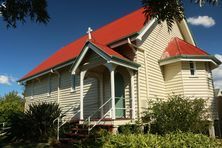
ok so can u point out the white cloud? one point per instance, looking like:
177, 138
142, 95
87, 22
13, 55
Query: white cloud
217, 74
6, 80
205, 21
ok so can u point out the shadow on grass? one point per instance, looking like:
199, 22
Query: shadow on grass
6, 144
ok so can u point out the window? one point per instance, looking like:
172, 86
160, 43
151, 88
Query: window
73, 83
192, 68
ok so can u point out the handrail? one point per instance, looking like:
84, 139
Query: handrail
72, 117
88, 120
64, 113
98, 110
61, 115
89, 129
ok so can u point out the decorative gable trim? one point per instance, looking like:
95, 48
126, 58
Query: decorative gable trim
105, 56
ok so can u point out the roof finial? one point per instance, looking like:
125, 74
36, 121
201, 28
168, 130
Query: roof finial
89, 33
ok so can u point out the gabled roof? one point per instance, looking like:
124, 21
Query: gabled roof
128, 25
180, 50
106, 53
177, 47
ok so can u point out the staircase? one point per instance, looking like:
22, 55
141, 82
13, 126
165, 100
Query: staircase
78, 133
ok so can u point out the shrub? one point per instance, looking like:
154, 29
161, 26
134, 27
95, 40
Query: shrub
169, 140
36, 124
130, 129
178, 113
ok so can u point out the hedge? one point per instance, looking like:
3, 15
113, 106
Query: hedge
172, 140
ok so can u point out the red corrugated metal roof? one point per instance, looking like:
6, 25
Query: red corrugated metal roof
178, 47
125, 26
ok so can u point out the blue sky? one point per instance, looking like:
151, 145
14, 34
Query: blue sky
26, 46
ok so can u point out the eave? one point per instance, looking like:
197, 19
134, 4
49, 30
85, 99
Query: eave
200, 58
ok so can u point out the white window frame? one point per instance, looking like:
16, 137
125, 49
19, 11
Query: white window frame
73, 83
194, 69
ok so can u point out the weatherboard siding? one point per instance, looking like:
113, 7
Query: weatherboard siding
69, 100
173, 79
151, 80
91, 97
200, 85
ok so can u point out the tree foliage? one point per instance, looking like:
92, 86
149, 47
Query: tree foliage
169, 10
178, 113
36, 124
10, 104
14, 11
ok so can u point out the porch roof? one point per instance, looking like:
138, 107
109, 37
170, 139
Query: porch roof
106, 53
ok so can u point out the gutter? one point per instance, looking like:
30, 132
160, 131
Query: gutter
193, 57
46, 72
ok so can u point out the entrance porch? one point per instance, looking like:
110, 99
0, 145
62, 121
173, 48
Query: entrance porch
107, 89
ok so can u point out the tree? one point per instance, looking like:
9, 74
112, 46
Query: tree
14, 11
10, 104
169, 10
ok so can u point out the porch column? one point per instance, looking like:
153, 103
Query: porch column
101, 94
82, 75
112, 81
132, 93
112, 68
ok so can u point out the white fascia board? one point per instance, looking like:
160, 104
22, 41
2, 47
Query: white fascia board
79, 59
189, 33
145, 29
187, 60
122, 64
200, 60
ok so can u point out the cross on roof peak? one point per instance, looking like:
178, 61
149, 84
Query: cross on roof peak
89, 33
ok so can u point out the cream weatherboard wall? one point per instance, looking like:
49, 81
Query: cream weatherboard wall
200, 85
173, 78
38, 91
150, 79
179, 81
